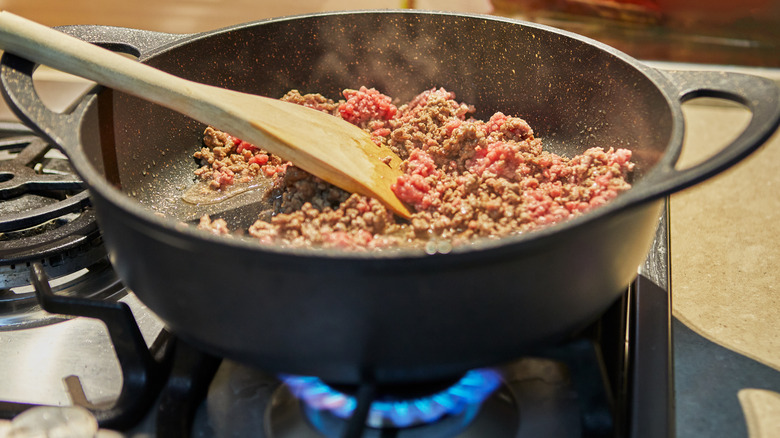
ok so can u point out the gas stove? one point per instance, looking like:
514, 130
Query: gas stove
76, 340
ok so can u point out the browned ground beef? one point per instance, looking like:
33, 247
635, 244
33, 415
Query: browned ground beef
228, 160
464, 178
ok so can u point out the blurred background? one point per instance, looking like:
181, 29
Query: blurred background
724, 32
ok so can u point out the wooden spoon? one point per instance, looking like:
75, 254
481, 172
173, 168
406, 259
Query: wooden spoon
325, 146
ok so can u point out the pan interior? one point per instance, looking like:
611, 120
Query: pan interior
575, 95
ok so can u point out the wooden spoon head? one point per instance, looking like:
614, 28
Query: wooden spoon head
325, 146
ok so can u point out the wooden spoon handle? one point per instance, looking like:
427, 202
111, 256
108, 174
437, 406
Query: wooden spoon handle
55, 49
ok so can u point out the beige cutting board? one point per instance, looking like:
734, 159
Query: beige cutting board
725, 241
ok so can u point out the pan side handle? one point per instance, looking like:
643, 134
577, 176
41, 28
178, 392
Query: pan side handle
136, 42
759, 95
21, 97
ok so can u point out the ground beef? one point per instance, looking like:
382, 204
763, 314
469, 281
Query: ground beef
227, 160
216, 226
367, 105
463, 178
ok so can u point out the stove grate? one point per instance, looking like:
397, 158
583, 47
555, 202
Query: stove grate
144, 370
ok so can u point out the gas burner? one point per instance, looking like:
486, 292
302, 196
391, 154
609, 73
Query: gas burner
496, 416
396, 409
528, 398
45, 218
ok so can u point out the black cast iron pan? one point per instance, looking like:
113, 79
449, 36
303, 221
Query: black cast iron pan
392, 316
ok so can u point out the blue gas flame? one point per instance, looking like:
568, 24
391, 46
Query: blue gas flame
469, 392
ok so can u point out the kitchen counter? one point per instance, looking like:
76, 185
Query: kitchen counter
724, 253
724, 239
724, 232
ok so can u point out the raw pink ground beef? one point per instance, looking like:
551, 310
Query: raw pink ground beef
366, 105
463, 178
